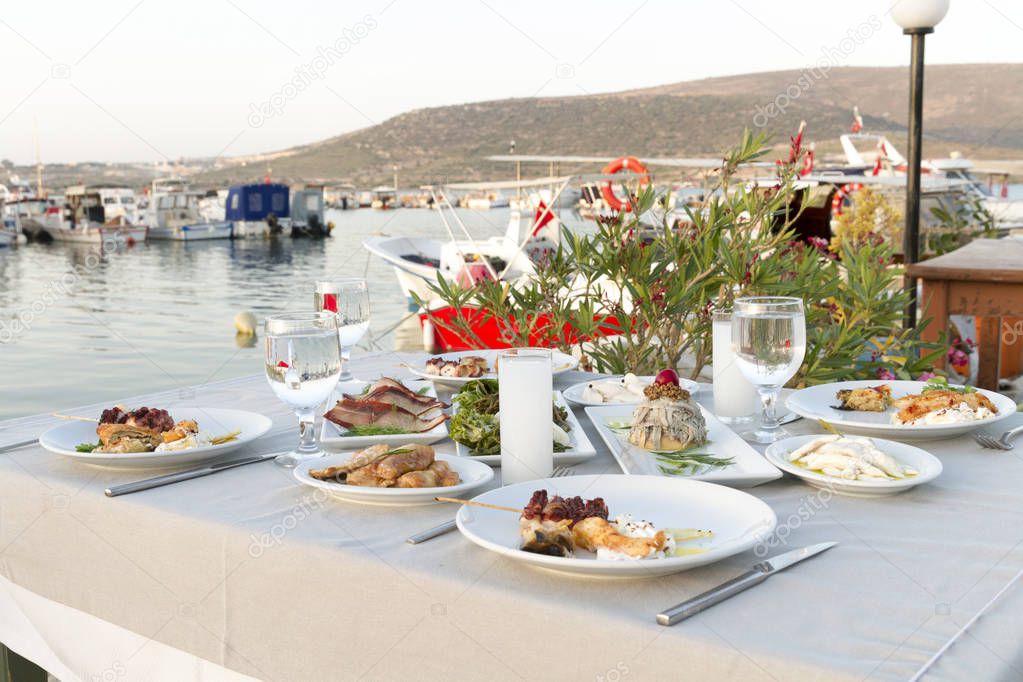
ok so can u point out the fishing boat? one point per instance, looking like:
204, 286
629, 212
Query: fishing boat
258, 210
384, 197
96, 214
174, 214
341, 197
481, 201
307, 214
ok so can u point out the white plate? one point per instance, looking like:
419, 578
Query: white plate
924, 462
582, 449
332, 435
574, 394
473, 475
817, 402
560, 363
749, 468
738, 520
214, 420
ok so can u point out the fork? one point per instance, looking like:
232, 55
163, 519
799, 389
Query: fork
449, 526
997, 443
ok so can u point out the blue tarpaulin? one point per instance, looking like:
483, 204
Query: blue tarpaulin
256, 202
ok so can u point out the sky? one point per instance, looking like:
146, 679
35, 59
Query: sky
156, 80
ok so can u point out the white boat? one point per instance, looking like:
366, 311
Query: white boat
419, 262
175, 214
875, 155
384, 197
97, 215
482, 201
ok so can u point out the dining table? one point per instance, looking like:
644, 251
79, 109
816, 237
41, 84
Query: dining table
247, 574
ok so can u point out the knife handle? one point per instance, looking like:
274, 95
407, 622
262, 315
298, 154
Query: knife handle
445, 527
713, 596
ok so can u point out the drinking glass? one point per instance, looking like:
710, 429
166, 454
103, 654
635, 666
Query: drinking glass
525, 394
735, 398
769, 339
348, 299
302, 365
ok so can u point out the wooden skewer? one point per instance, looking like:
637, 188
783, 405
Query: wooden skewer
73, 417
478, 504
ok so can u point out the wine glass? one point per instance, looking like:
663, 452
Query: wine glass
769, 339
302, 365
348, 299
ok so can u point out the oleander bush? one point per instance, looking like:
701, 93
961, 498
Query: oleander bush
637, 294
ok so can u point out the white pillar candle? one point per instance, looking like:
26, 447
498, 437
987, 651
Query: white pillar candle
526, 396
735, 398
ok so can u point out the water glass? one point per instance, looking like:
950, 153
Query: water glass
348, 299
769, 340
525, 393
302, 365
735, 398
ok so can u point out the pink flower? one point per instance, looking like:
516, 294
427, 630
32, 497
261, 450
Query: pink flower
926, 376
957, 357
885, 374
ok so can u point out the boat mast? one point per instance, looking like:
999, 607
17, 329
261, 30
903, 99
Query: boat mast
39, 165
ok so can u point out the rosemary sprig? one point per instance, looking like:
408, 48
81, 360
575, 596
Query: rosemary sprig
685, 462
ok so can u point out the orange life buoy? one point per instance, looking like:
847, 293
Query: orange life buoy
630, 163
841, 194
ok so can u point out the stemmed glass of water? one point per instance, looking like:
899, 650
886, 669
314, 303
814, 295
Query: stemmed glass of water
769, 339
348, 299
302, 365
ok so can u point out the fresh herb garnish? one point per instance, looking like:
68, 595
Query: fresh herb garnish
941, 384
87, 447
423, 391
687, 462
372, 430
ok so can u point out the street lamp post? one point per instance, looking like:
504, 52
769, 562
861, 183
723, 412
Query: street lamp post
917, 18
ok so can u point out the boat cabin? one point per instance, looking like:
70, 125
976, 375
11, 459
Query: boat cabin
258, 209
307, 213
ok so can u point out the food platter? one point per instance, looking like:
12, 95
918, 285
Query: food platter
472, 473
582, 449
927, 466
560, 363
738, 521
333, 436
64, 438
748, 469
574, 393
817, 402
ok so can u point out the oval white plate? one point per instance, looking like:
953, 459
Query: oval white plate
738, 520
927, 465
560, 363
64, 438
817, 402
574, 393
332, 436
473, 475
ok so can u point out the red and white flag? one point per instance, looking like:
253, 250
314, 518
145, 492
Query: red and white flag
857, 124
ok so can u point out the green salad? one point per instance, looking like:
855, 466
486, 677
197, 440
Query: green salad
476, 423
941, 384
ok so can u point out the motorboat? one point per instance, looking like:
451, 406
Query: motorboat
99, 214
258, 210
307, 214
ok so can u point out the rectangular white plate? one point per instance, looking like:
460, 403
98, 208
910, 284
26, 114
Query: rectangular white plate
749, 469
582, 449
332, 435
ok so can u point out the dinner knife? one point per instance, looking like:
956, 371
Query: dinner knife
167, 479
430, 534
760, 572
19, 444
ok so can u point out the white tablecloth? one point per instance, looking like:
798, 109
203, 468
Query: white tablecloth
250, 571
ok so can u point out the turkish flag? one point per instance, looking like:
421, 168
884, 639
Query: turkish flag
548, 216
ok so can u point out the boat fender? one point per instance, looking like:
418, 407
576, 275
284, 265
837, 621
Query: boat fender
629, 163
245, 323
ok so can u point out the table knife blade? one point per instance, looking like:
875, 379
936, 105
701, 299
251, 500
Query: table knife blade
758, 574
167, 479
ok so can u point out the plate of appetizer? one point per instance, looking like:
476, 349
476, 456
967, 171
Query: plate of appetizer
669, 434
393, 475
621, 390
911, 410
366, 413
854, 465
476, 426
615, 526
148, 438
457, 369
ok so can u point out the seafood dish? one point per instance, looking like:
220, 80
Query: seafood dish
147, 429
871, 399
477, 425
387, 407
384, 466
628, 389
850, 458
467, 367
669, 419
557, 526
943, 406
